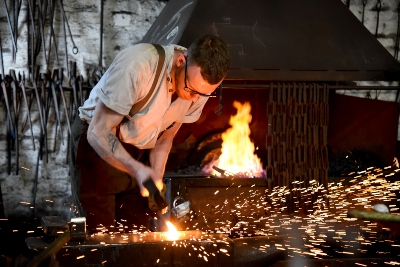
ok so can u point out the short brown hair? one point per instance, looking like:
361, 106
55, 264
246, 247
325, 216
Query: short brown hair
211, 54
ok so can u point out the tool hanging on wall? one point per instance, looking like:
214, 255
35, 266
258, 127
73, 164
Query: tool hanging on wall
14, 42
9, 124
56, 107
397, 41
98, 72
101, 33
15, 111
364, 3
74, 48
59, 82
41, 40
1, 60
52, 33
45, 112
378, 10
23, 90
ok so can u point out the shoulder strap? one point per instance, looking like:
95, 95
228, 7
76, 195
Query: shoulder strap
138, 106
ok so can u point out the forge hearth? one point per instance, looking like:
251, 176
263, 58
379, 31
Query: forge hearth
289, 129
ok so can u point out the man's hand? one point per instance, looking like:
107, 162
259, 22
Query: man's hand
145, 173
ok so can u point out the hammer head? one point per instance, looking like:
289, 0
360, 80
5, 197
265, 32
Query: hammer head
154, 193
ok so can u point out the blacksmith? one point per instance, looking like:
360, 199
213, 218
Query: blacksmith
125, 129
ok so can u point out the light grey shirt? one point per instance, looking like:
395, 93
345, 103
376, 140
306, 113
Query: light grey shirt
127, 81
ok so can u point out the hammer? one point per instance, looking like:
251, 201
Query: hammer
160, 202
154, 193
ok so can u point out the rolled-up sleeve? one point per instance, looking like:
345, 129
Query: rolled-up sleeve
126, 81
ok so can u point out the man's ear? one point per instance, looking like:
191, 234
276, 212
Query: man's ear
180, 60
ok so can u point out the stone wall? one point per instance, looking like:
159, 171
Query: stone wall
125, 23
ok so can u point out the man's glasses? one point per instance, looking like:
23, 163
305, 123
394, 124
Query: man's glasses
192, 91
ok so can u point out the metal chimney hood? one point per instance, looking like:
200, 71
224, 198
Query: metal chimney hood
281, 40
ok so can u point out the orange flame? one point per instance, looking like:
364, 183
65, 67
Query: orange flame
172, 233
238, 156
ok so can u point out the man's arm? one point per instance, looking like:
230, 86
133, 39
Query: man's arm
159, 154
101, 136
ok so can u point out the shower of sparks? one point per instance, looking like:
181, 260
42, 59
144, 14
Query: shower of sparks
318, 225
304, 222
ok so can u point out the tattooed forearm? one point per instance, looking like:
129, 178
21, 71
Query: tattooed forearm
113, 142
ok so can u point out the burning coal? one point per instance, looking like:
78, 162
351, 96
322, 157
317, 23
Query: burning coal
238, 157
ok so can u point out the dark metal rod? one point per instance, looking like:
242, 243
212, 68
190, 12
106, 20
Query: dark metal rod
10, 26
32, 18
101, 32
80, 79
16, 114
45, 101
396, 45
35, 79
52, 8
60, 75
74, 48
363, 10
22, 86
52, 249
65, 36
378, 10
1, 59
53, 90
9, 136
41, 28
72, 76
3, 86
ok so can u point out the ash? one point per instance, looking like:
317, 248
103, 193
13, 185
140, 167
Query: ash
190, 170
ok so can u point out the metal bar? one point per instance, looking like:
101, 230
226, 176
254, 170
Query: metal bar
1, 60
35, 79
52, 249
396, 45
53, 90
60, 80
74, 48
378, 10
29, 114
45, 112
10, 127
32, 18
41, 28
16, 115
52, 34
364, 2
72, 82
3, 86
9, 25
101, 32
64, 18
9, 137
80, 91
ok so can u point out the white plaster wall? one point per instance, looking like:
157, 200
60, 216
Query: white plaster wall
125, 23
